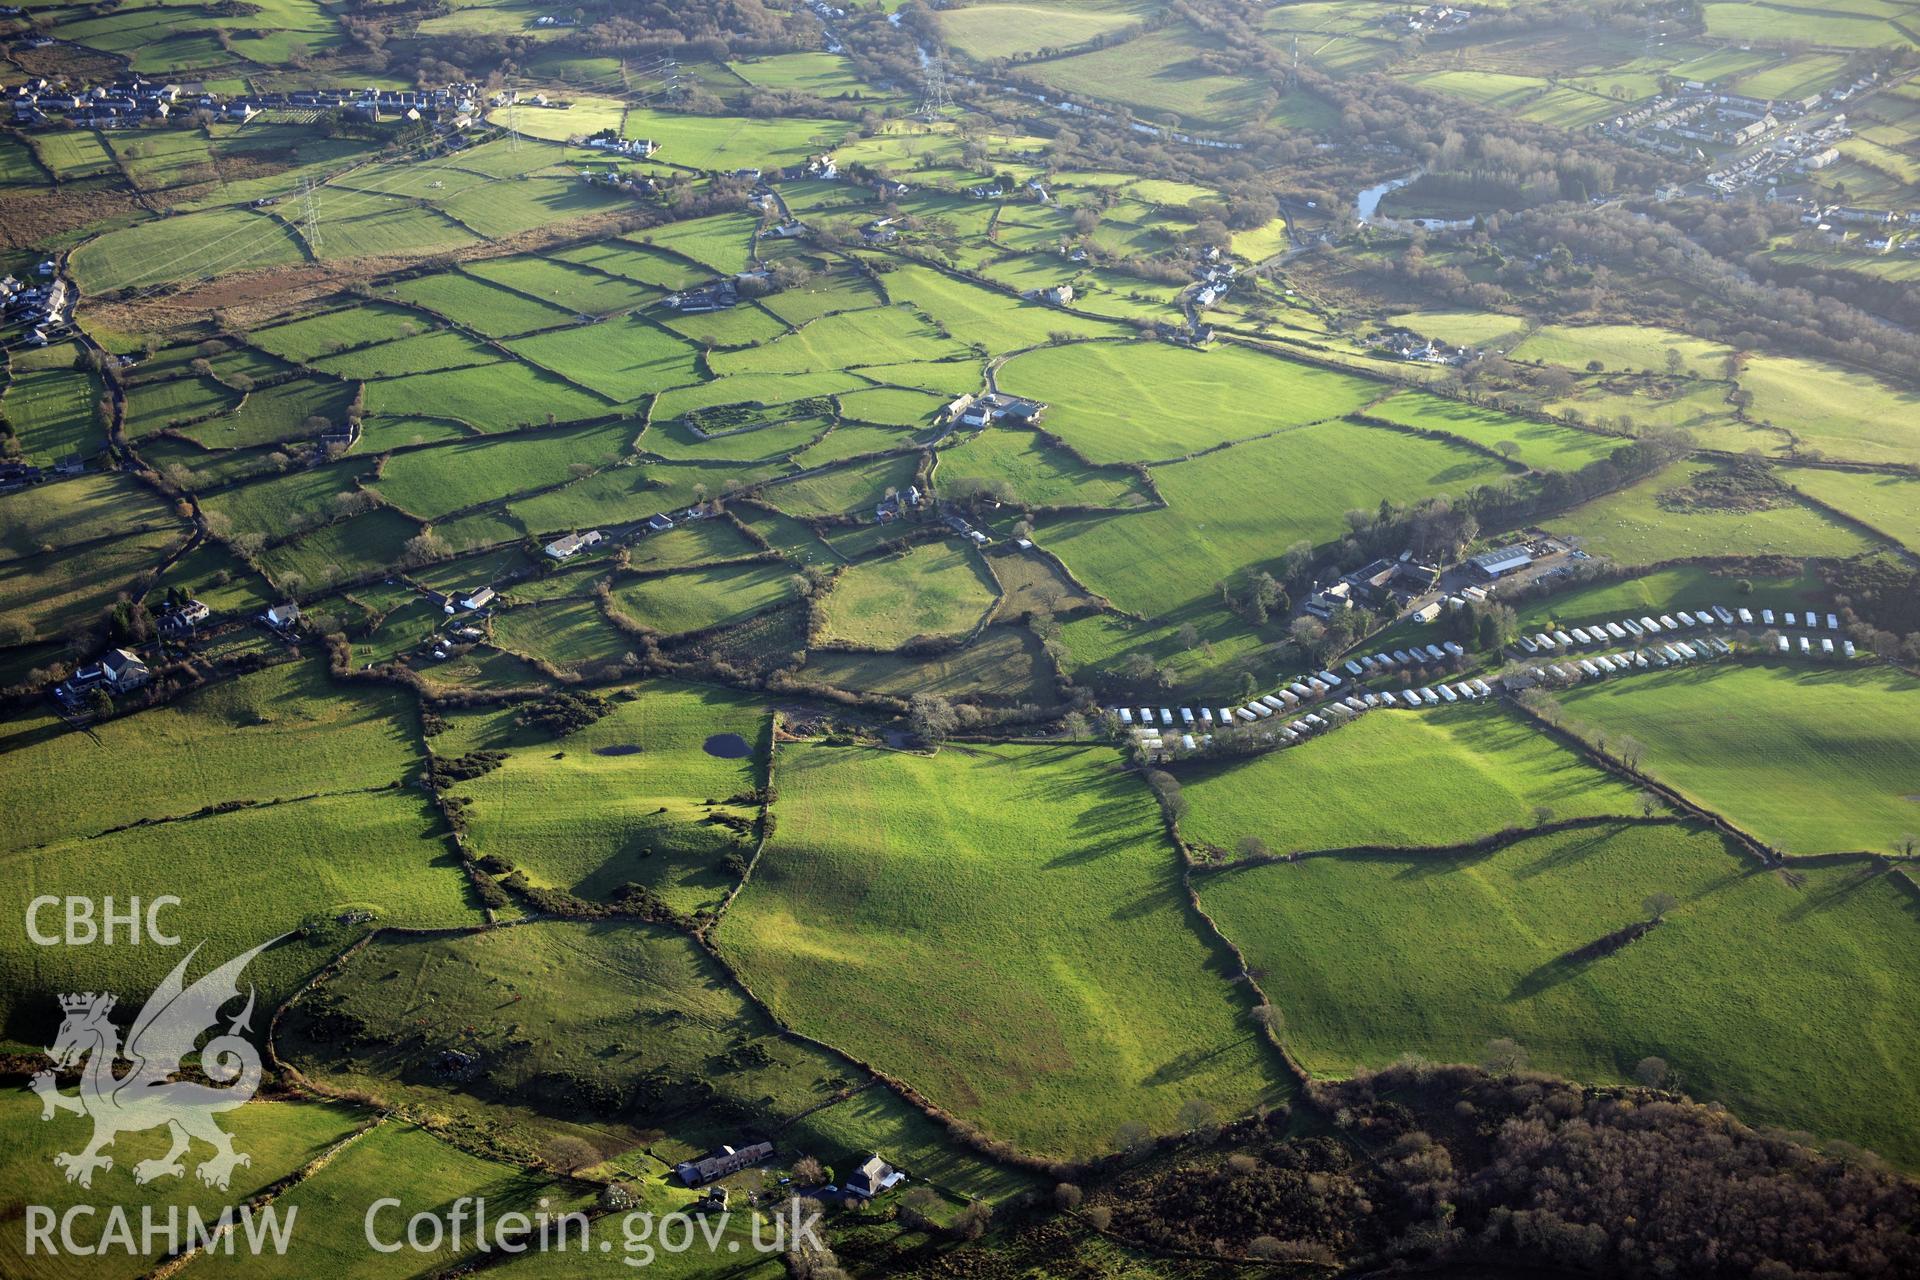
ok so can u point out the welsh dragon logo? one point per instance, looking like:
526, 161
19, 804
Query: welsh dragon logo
146, 1096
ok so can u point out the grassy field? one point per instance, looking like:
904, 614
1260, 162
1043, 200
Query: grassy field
620, 359
425, 354
1223, 519
1810, 760
994, 30
1631, 526
561, 284
1661, 590
1790, 1004
626, 798
1004, 665
1541, 445
884, 915
486, 308
1160, 73
728, 142
696, 599
849, 339
280, 1137
1836, 411
1395, 779
850, 490
425, 1172
1146, 401
930, 589
429, 483
378, 852
1036, 473
1888, 503
52, 414
568, 633
183, 248
981, 317
688, 1062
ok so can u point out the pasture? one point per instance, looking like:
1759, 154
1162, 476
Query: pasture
995, 30
398, 1159
1394, 779
1541, 445
1786, 1003
1004, 665
1888, 503
1222, 519
696, 599
943, 868
630, 797
1811, 760
642, 1033
1124, 402
929, 589
379, 852
1035, 473
52, 414
847, 340
280, 1136
1661, 590
1635, 526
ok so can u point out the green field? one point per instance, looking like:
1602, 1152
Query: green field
52, 413
486, 308
624, 799
1222, 518
1631, 526
930, 589
1812, 761
399, 1160
888, 910
1662, 590
696, 599
1003, 665
658, 1030
1394, 779
847, 340
1127, 402
1888, 503
1036, 473
187, 247
994, 30
1540, 445
1790, 1004
279, 1137
495, 397
620, 359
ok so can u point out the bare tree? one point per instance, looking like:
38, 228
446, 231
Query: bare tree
931, 718
1504, 1056
1653, 1072
1658, 904
570, 1154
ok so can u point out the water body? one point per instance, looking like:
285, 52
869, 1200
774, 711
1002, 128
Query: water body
1368, 205
728, 746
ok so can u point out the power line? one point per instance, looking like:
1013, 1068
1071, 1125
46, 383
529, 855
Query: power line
310, 219
934, 99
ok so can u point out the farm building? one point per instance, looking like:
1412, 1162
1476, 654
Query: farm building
478, 600
726, 1160
123, 670
571, 545
1501, 560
